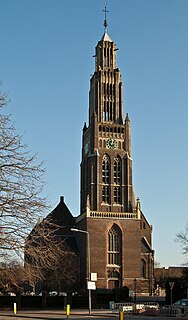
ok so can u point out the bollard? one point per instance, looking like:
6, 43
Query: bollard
14, 307
121, 314
68, 310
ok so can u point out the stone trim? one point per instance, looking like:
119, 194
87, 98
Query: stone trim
114, 215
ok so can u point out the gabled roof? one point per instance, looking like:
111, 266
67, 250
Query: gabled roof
62, 214
62, 217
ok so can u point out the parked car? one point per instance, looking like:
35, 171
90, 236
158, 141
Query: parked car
11, 294
182, 304
53, 293
64, 294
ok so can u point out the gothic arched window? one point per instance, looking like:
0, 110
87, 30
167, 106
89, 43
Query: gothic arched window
114, 246
117, 171
106, 179
117, 180
143, 268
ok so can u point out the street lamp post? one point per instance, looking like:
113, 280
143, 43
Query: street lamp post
89, 261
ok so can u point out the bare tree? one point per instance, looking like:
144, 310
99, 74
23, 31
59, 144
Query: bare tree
65, 273
23, 231
21, 203
21, 184
42, 251
49, 258
182, 238
11, 275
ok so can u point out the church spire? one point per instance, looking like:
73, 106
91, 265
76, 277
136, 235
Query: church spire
106, 96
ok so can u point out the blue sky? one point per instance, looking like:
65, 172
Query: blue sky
45, 66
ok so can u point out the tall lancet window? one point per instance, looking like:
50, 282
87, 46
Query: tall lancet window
106, 179
114, 246
143, 268
117, 180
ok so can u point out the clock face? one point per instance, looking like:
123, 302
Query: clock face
111, 143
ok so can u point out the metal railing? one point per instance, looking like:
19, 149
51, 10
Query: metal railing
149, 308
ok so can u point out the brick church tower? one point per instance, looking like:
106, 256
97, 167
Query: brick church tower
120, 236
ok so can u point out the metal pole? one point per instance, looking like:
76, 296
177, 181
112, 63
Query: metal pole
135, 290
89, 269
171, 296
89, 261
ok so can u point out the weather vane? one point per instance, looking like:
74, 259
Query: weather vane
105, 20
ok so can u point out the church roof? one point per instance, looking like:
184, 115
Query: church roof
71, 242
62, 215
106, 37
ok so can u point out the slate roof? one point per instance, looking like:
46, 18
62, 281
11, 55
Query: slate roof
62, 216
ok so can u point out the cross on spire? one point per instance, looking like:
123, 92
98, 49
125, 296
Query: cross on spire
105, 19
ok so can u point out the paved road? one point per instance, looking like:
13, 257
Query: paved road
81, 315
57, 315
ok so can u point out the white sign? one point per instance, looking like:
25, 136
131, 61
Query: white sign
93, 276
91, 285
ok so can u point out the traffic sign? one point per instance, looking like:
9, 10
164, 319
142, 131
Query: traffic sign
91, 285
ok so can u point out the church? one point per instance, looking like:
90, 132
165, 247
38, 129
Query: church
112, 234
